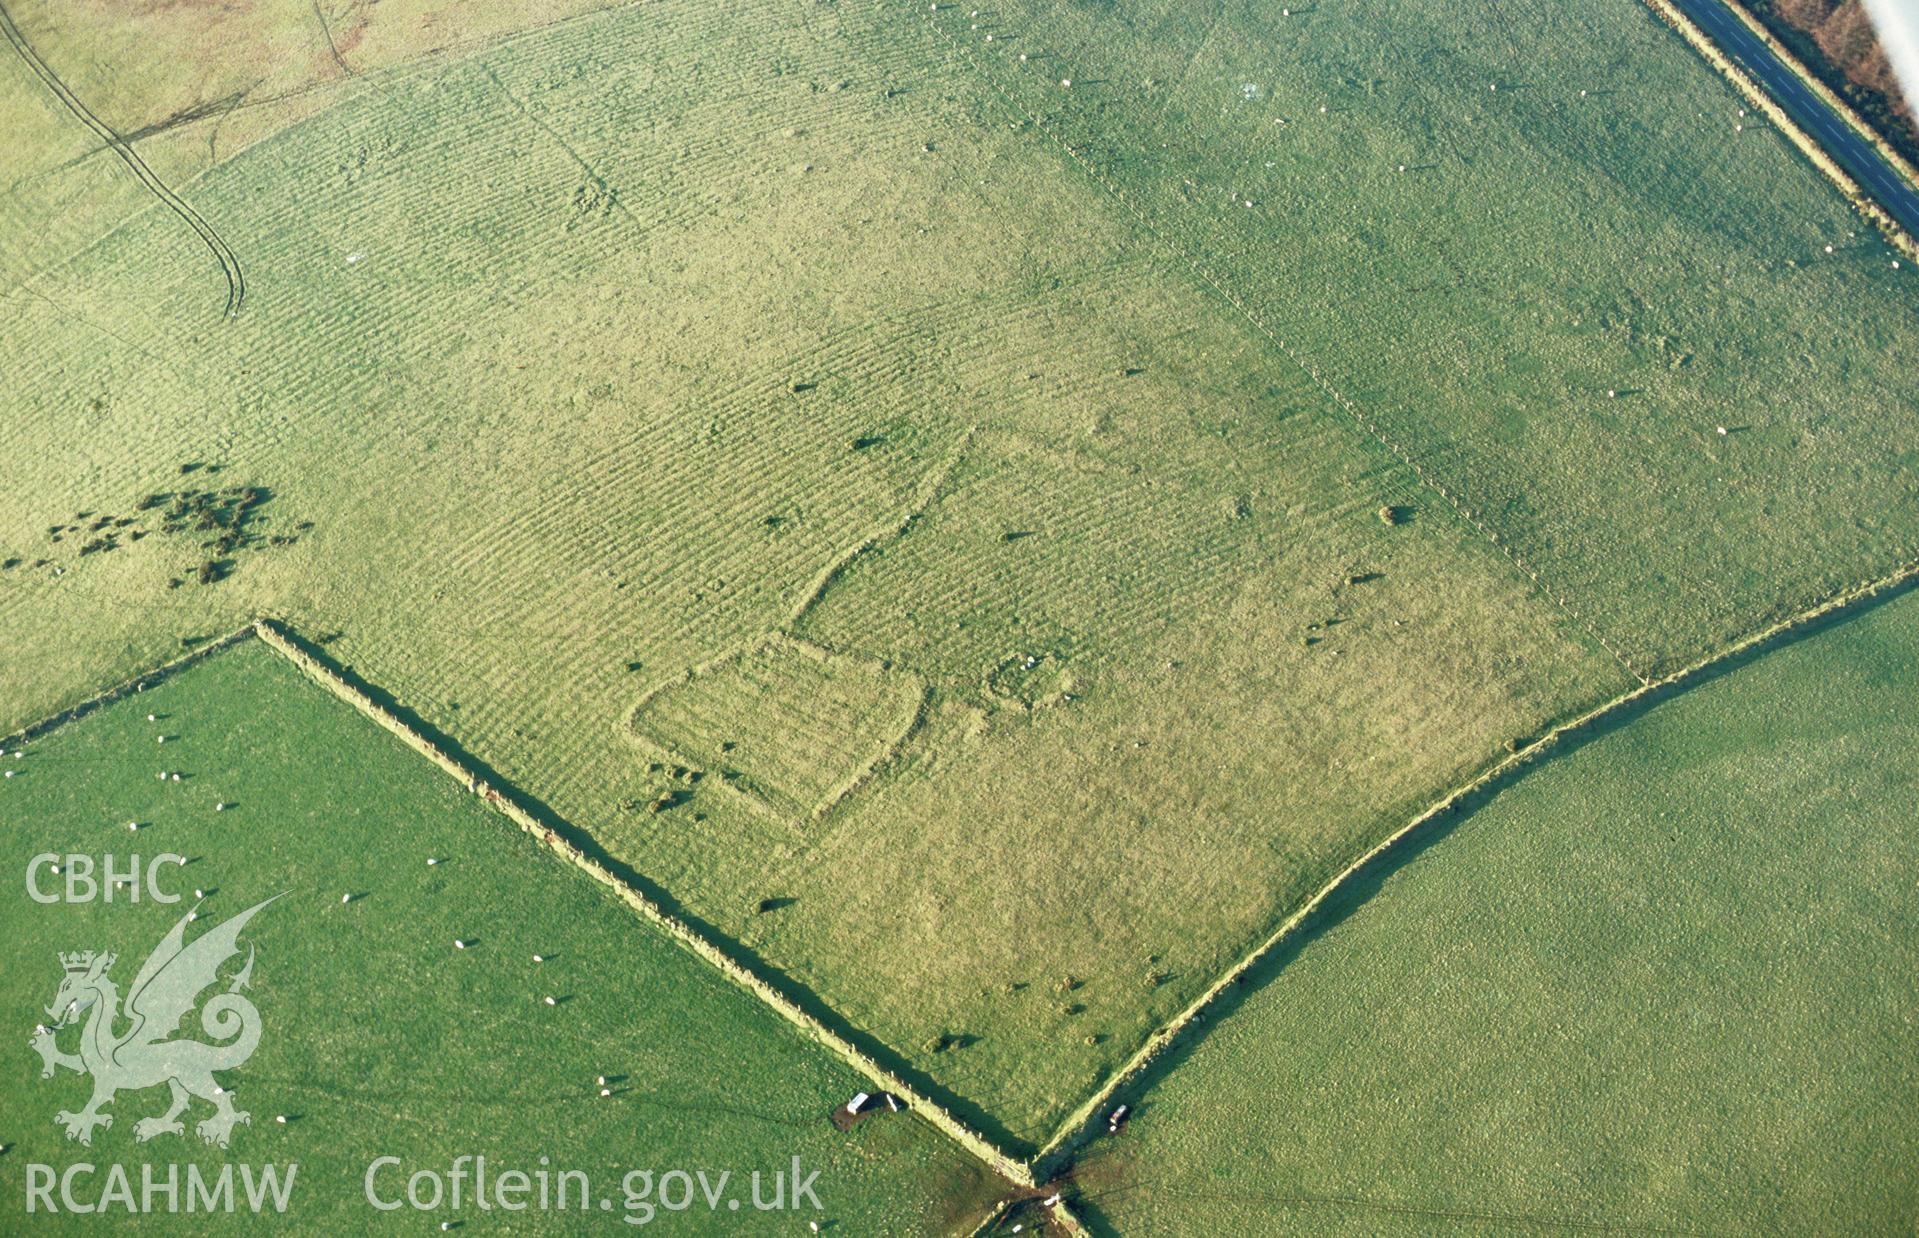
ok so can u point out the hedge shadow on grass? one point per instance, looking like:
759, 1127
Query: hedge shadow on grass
978, 1119
1368, 880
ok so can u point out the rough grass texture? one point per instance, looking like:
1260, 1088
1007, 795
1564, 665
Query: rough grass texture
377, 1031
1659, 984
790, 725
596, 354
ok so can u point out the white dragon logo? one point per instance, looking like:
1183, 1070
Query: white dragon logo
145, 1055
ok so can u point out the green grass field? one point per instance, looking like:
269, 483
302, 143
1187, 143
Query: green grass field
593, 359
380, 1038
1474, 221
1662, 983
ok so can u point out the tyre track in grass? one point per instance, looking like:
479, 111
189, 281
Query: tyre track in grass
229, 262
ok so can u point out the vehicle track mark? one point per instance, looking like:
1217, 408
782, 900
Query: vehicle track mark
229, 262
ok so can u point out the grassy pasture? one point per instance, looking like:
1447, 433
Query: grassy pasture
789, 724
1232, 681
381, 1038
1476, 220
1663, 982
192, 85
540, 344
596, 355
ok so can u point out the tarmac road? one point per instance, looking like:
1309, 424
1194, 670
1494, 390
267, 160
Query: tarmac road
1853, 153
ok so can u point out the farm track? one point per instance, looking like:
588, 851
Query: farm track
381, 77
236, 279
377, 74
743, 404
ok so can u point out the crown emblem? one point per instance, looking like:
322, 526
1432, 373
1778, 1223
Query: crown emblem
81, 961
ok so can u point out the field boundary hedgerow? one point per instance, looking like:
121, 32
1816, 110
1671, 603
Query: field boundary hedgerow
1037, 1172
1081, 1124
1827, 95
1807, 145
139, 683
1359, 415
315, 667
335, 681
